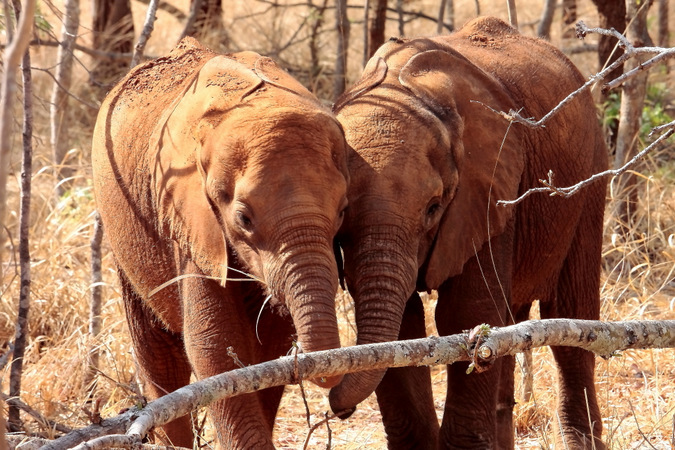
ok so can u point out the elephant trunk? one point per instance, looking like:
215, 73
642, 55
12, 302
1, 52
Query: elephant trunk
307, 279
382, 279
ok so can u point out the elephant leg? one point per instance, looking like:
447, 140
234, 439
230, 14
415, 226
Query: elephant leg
506, 400
578, 296
215, 320
476, 296
274, 333
161, 358
404, 395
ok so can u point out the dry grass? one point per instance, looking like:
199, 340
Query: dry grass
635, 389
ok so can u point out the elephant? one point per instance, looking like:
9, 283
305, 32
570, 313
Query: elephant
432, 151
221, 183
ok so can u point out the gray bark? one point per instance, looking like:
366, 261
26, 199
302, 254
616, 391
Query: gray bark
630, 114
663, 23
343, 29
13, 54
366, 34
59, 104
513, 14
544, 28
95, 304
21, 332
148, 26
483, 348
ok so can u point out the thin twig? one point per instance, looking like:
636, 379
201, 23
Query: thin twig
148, 26
50, 424
565, 192
67, 91
314, 427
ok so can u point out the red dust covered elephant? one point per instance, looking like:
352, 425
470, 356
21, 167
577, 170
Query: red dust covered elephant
208, 167
431, 158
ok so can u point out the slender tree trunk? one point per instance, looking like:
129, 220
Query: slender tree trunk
59, 105
401, 21
113, 31
663, 26
366, 34
13, 54
208, 25
343, 28
95, 306
632, 100
148, 26
441, 16
377, 27
544, 28
318, 13
569, 18
21, 333
513, 14
195, 8
611, 14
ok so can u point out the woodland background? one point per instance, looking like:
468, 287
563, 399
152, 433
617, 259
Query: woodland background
636, 389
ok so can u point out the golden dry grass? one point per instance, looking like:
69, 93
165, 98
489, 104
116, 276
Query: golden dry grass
636, 389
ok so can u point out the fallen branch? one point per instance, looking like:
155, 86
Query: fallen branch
602, 338
42, 420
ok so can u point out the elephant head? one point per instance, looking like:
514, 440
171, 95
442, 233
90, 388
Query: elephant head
430, 160
240, 169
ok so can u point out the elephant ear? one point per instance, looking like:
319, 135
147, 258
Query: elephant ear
487, 152
179, 179
373, 74
271, 73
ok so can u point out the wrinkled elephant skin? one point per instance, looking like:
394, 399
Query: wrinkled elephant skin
221, 183
431, 158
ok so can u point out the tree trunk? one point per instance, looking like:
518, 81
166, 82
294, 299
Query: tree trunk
544, 28
441, 16
95, 305
21, 333
113, 31
663, 24
611, 14
317, 12
366, 25
59, 104
208, 26
569, 18
377, 27
401, 18
13, 54
630, 113
343, 28
513, 15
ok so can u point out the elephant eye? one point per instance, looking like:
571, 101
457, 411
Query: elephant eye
433, 208
243, 220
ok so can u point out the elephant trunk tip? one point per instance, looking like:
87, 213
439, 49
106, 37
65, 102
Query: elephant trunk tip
328, 382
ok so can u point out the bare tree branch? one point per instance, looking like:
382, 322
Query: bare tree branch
482, 346
59, 103
47, 423
148, 26
630, 51
21, 331
13, 55
550, 188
